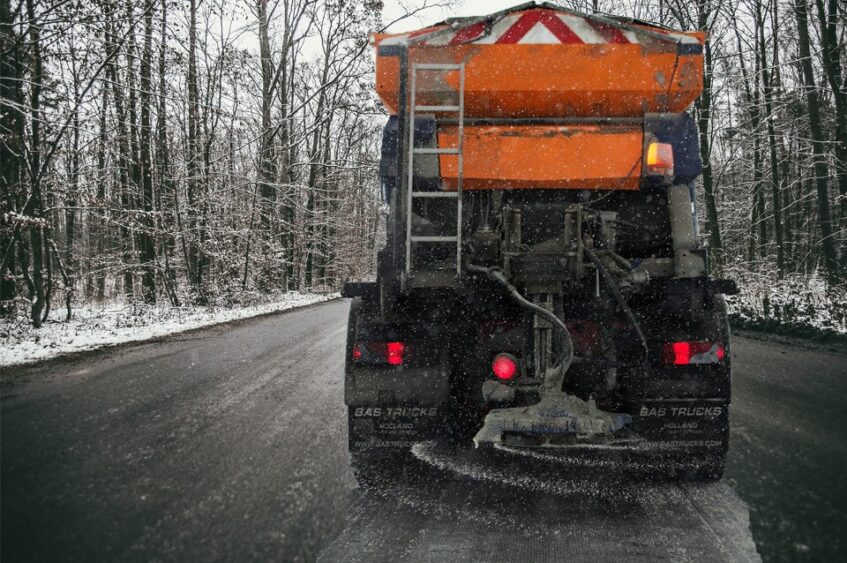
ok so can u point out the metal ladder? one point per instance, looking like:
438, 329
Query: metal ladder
411, 193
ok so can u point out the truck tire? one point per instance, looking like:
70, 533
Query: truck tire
376, 467
363, 462
709, 469
365, 469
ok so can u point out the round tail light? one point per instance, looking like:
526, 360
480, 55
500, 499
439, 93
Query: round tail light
504, 367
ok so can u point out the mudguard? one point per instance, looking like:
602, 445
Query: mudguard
391, 406
685, 411
683, 425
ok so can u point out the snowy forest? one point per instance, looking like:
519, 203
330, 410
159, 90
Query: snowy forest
187, 152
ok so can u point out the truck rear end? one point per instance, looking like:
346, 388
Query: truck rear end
542, 284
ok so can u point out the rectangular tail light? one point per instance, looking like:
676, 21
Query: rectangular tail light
689, 352
380, 353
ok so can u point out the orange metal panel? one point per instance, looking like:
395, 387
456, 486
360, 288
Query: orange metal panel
545, 156
553, 80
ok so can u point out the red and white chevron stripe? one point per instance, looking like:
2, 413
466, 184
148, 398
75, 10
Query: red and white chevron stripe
535, 27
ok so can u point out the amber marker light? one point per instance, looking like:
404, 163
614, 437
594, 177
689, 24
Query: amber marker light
660, 159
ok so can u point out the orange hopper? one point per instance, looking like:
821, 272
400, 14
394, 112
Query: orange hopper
573, 86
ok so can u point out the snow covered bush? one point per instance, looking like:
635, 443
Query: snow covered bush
800, 304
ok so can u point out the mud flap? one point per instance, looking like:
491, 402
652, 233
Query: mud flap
688, 427
393, 426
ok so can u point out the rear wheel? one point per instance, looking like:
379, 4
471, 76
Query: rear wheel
709, 469
373, 464
365, 468
365, 462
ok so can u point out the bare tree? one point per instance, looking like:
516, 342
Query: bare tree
818, 142
148, 251
204, 151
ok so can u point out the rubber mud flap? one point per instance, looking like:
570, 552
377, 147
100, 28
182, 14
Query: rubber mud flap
393, 426
675, 425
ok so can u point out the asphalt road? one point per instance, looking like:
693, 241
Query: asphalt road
230, 444
788, 449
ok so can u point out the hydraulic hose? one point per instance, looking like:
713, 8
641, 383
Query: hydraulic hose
616, 292
565, 341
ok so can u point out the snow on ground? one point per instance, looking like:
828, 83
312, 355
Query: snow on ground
94, 326
795, 302
799, 303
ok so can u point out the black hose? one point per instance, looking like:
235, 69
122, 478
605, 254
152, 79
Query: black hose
565, 336
616, 292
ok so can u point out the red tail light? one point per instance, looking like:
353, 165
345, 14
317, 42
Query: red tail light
394, 353
375, 353
504, 367
693, 353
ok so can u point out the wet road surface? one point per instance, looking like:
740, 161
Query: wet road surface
230, 444
788, 447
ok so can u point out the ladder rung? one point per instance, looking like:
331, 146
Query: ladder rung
437, 66
434, 239
436, 151
437, 108
434, 194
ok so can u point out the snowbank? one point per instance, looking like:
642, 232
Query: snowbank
801, 305
95, 326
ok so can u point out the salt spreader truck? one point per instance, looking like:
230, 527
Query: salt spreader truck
542, 283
